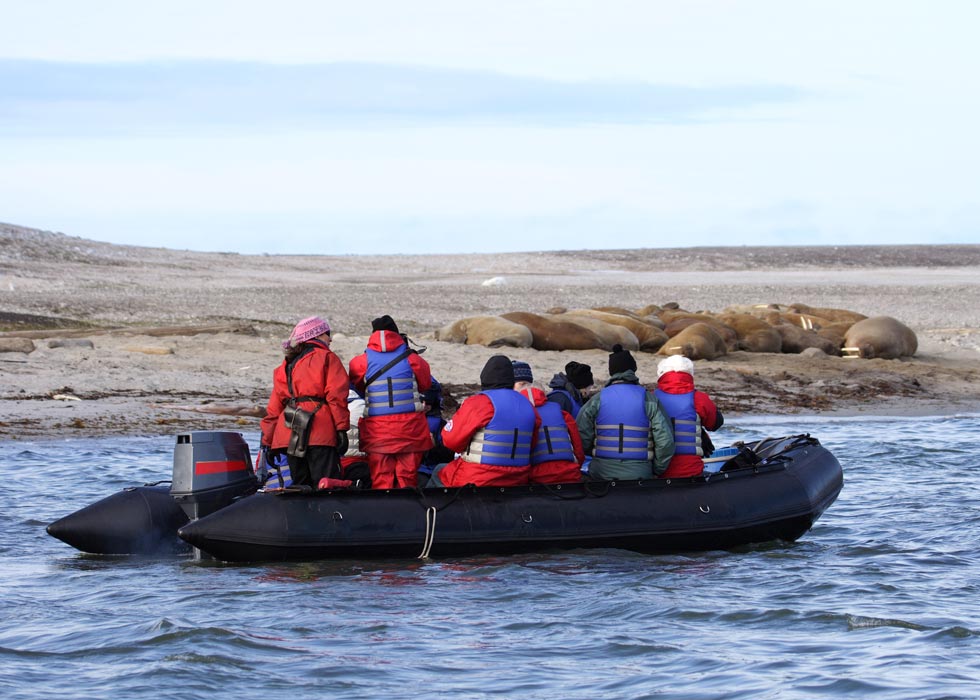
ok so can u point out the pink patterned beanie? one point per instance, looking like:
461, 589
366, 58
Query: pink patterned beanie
307, 329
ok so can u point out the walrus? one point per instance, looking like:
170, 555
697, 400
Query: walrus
699, 341
754, 334
649, 314
667, 314
774, 318
619, 311
796, 339
880, 336
610, 333
548, 333
491, 331
832, 315
648, 335
835, 332
680, 322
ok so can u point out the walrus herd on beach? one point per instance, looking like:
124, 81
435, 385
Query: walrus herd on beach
664, 330
701, 335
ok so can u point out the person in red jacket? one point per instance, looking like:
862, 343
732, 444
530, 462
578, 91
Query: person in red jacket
311, 378
494, 433
689, 411
558, 454
393, 432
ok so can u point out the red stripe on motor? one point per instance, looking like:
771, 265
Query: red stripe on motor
219, 467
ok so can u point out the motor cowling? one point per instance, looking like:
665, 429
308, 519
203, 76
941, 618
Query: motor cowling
211, 469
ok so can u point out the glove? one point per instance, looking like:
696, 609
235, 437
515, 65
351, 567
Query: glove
342, 442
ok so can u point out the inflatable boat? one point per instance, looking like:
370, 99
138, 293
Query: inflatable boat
774, 489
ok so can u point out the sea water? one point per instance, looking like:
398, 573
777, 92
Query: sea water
881, 599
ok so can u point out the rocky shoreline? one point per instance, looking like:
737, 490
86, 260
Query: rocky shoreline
132, 378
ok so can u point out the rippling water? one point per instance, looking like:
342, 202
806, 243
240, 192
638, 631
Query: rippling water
881, 599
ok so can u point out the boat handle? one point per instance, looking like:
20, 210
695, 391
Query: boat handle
527, 517
704, 509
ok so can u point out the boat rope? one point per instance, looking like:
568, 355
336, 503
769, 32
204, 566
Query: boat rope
430, 531
760, 443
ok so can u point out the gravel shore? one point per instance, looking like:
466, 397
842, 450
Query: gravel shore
141, 372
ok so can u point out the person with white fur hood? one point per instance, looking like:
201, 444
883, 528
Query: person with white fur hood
690, 412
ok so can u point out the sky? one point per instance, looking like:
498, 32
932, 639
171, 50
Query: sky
320, 127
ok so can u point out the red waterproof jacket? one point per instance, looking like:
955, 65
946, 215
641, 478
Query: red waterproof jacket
318, 373
683, 383
397, 432
475, 413
557, 471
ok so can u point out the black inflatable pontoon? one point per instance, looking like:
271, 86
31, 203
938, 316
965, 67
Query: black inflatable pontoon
778, 498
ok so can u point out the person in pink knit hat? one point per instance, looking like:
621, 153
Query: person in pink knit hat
307, 415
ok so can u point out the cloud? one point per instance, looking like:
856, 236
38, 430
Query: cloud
119, 99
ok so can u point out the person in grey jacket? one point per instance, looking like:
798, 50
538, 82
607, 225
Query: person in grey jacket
624, 427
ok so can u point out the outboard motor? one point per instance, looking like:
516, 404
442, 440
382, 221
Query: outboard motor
211, 469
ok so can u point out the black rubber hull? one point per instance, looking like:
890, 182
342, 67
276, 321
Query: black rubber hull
137, 520
777, 501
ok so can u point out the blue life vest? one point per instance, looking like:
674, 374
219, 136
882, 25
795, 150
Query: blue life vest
554, 442
686, 421
394, 390
575, 405
278, 476
506, 440
622, 428
435, 424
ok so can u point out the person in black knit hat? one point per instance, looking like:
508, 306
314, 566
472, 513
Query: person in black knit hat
624, 427
567, 387
384, 323
494, 433
394, 432
621, 361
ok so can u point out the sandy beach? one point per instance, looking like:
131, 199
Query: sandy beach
146, 341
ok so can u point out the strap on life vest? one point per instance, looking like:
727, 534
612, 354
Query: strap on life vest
480, 451
398, 358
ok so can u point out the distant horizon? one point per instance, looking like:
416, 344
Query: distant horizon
500, 252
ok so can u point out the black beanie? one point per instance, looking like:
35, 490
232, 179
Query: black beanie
620, 360
580, 375
385, 323
498, 373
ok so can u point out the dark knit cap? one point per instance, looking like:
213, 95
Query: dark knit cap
384, 323
498, 373
522, 371
620, 360
580, 375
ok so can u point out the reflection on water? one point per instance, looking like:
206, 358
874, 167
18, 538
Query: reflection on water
879, 600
